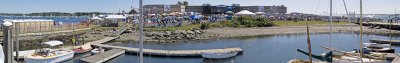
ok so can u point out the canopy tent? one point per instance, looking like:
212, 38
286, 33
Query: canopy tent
245, 12
115, 17
369, 16
53, 43
96, 18
260, 13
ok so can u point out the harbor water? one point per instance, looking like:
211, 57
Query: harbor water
257, 49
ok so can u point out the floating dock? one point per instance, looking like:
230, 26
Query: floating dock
171, 53
105, 56
382, 41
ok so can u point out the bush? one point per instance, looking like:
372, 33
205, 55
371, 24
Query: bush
205, 26
247, 21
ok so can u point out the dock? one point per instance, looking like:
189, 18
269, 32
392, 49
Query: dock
383, 41
395, 26
170, 53
104, 40
105, 56
118, 50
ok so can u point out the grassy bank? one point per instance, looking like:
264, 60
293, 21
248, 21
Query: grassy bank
303, 23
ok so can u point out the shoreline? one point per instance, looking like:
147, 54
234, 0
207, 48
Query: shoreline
221, 33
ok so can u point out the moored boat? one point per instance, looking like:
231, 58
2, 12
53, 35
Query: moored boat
375, 47
83, 49
304, 61
97, 50
47, 55
213, 55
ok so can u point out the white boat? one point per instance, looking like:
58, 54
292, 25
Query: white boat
349, 59
376, 45
304, 61
47, 55
97, 50
213, 55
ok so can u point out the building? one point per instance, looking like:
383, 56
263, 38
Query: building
161, 9
209, 9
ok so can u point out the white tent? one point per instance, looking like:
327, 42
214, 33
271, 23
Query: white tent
96, 18
115, 17
53, 43
260, 13
245, 12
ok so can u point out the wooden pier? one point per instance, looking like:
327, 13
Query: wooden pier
386, 25
172, 53
381, 41
104, 40
105, 56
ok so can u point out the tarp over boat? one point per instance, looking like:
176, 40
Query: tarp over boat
53, 43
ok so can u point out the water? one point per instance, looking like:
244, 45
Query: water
56, 19
261, 49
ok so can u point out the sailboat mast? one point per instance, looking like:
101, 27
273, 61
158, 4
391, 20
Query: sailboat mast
361, 34
390, 28
330, 25
309, 44
347, 12
141, 34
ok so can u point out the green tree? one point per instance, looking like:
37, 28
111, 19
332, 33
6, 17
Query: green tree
185, 3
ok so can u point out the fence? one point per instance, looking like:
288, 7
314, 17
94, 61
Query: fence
32, 27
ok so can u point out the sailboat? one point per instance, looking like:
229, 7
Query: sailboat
48, 55
375, 47
346, 57
382, 45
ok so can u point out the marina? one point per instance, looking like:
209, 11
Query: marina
188, 31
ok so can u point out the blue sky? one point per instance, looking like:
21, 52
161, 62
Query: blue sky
304, 6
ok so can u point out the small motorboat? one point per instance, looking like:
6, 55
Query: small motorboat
304, 61
375, 47
47, 55
213, 55
97, 50
83, 49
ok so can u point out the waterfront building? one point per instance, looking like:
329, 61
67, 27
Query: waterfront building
209, 9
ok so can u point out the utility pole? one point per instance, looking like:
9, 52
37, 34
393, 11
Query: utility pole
330, 25
17, 28
141, 34
8, 44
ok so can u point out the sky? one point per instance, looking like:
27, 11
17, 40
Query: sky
320, 7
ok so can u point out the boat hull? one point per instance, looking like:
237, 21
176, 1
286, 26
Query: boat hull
58, 59
218, 55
